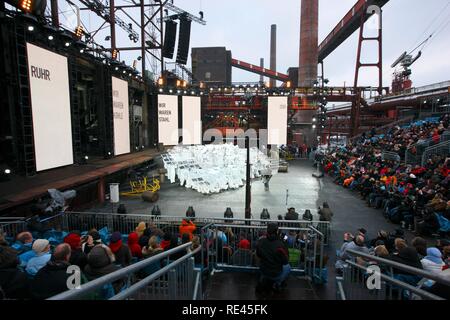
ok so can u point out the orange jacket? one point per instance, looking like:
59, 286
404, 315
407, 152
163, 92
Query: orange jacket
187, 227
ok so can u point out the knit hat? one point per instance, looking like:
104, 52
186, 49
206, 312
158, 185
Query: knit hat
244, 244
434, 255
39, 245
412, 176
73, 240
116, 236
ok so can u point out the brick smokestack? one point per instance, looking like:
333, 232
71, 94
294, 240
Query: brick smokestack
273, 52
309, 38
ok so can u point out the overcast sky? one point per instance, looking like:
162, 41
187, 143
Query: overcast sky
243, 26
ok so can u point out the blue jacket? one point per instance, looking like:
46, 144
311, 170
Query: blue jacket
25, 257
22, 247
36, 263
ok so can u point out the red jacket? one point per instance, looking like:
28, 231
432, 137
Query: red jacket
187, 227
135, 248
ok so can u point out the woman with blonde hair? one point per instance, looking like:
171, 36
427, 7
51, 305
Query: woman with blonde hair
141, 228
152, 248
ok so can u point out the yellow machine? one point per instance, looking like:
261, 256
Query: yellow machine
138, 187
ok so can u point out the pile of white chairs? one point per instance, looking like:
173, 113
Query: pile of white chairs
213, 168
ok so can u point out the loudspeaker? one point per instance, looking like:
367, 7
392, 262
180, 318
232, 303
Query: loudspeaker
169, 39
183, 40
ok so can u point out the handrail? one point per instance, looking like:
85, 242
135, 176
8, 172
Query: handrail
400, 283
341, 290
401, 266
119, 274
207, 219
197, 284
142, 283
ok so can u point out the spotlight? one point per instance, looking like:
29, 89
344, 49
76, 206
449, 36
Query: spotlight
30, 28
160, 90
50, 38
314, 126
109, 153
7, 171
160, 81
314, 119
25, 5
82, 51
79, 32
116, 68
192, 92
67, 44
170, 91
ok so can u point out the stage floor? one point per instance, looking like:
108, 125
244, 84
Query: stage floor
20, 190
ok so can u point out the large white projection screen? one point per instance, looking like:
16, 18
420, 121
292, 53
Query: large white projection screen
192, 122
121, 115
168, 120
50, 105
277, 120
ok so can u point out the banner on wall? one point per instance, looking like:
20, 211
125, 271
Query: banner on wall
50, 105
277, 112
121, 115
168, 119
192, 121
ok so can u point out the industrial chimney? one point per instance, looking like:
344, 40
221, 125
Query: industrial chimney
309, 38
273, 52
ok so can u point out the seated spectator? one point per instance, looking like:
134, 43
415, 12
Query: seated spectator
24, 242
52, 278
90, 241
13, 282
421, 246
173, 244
243, 255
120, 250
407, 256
143, 240
152, 248
101, 261
135, 248
77, 257
166, 240
325, 213
441, 290
381, 236
307, 216
433, 262
187, 226
198, 256
42, 249
140, 229
273, 257
355, 244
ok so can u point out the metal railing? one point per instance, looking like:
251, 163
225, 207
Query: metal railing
442, 148
353, 284
390, 156
126, 223
305, 245
172, 280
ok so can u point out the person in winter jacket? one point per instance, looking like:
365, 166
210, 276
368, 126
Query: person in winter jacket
52, 278
24, 242
77, 256
187, 226
433, 262
166, 240
135, 248
42, 249
90, 241
325, 213
120, 250
14, 283
274, 256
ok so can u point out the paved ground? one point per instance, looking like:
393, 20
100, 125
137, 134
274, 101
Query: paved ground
303, 192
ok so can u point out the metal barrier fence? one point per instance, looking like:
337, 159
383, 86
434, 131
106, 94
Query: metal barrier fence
305, 248
353, 284
442, 148
128, 222
11, 226
390, 156
166, 279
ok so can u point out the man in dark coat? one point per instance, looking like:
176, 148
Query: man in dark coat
274, 256
14, 283
291, 214
52, 278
